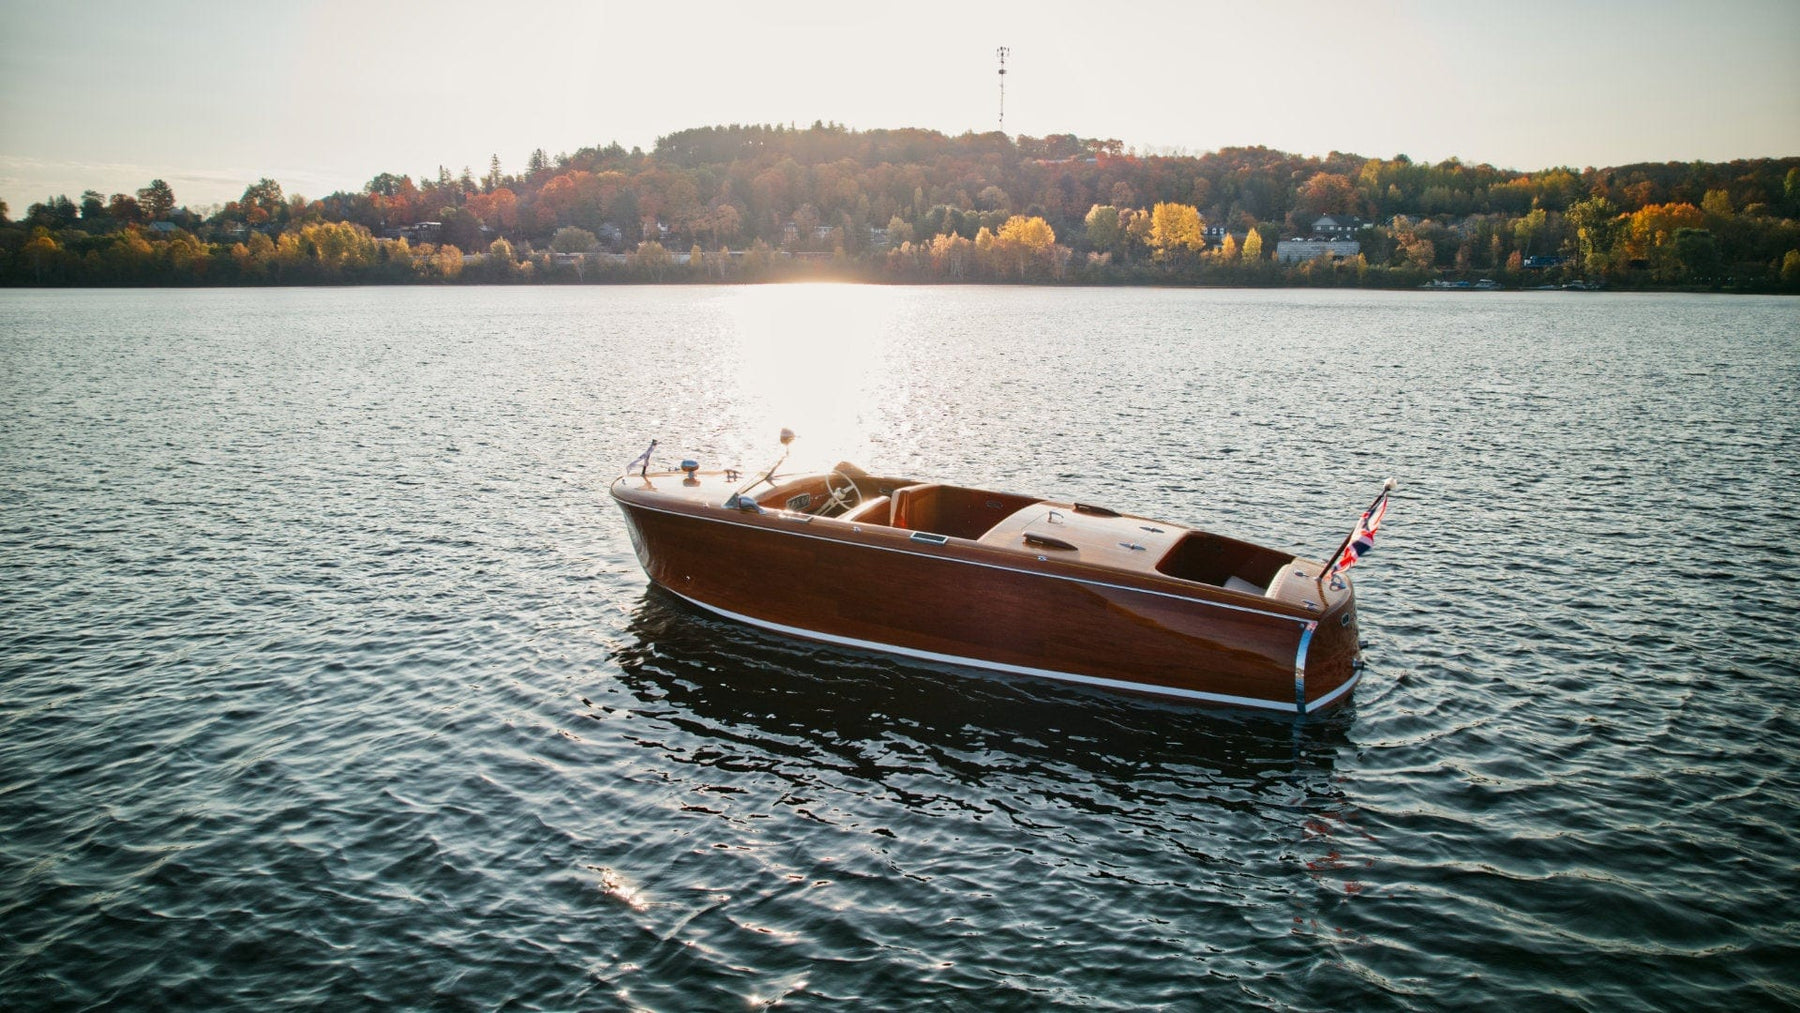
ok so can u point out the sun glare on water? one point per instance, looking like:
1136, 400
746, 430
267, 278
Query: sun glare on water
811, 358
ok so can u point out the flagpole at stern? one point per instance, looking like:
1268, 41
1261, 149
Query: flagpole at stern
1331, 563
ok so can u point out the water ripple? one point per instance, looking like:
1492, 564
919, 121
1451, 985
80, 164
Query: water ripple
329, 678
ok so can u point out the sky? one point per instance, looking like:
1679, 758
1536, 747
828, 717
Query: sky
322, 96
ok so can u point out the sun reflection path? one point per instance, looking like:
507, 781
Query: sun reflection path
812, 358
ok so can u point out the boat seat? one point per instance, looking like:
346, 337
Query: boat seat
905, 500
874, 511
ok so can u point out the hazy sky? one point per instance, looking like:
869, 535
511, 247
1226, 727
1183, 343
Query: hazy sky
323, 96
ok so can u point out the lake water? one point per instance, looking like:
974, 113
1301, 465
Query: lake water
328, 678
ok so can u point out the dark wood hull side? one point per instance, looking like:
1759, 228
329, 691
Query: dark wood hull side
877, 588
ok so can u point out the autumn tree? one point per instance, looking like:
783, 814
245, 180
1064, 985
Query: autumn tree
806, 219
1253, 246
1176, 230
498, 208
1650, 229
263, 202
1023, 243
1328, 193
1137, 226
43, 253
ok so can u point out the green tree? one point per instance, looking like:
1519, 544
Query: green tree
570, 239
387, 184
1596, 224
1104, 233
650, 260
1697, 251
500, 261
156, 200
461, 228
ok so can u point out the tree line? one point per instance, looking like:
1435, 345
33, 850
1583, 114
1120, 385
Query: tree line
765, 202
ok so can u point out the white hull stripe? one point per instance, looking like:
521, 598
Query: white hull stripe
1090, 680
1329, 698
1209, 603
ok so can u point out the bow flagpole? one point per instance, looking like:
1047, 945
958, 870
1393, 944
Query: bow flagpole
1361, 540
642, 459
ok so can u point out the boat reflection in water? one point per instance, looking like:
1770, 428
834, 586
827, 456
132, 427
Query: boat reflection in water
1064, 590
872, 711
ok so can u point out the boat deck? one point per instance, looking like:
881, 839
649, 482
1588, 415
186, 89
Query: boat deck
1063, 530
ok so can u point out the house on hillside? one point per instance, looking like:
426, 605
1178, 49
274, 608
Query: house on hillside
1336, 226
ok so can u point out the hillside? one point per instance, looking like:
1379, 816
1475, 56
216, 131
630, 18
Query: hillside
753, 202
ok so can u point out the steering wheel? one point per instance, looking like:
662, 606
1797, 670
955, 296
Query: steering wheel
839, 498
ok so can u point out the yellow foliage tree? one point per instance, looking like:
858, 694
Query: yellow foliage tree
1176, 229
1650, 228
1228, 250
1252, 246
42, 253
1022, 243
446, 263
951, 255
1034, 234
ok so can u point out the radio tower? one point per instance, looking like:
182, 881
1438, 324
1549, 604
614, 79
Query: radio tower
1002, 53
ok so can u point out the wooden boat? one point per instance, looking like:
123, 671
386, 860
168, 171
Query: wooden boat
1049, 588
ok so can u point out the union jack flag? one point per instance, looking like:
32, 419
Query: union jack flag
1361, 541
642, 460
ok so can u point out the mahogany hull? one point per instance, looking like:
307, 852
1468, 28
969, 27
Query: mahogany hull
876, 587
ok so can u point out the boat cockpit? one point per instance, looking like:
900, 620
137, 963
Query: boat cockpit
1073, 532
